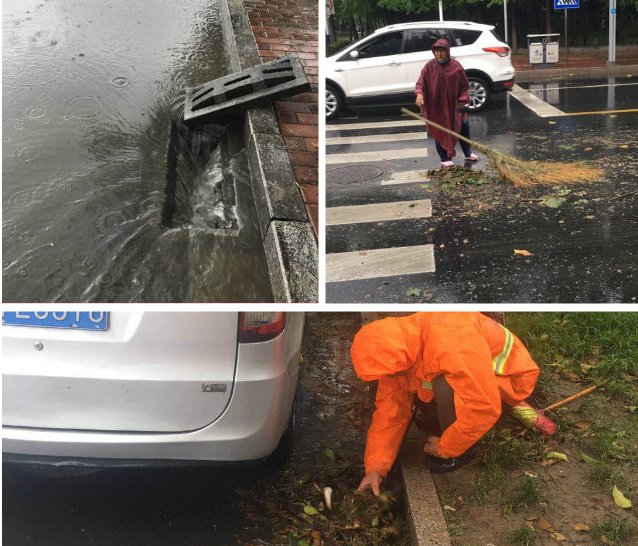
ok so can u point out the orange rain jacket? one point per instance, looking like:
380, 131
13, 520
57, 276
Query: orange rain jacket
482, 361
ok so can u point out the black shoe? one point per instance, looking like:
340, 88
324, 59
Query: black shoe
439, 465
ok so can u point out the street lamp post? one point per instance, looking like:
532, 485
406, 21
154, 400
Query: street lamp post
440, 10
505, 18
612, 32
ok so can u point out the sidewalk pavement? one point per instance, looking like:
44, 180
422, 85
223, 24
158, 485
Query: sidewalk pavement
578, 63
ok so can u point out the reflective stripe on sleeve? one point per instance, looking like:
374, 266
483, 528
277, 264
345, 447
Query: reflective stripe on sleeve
498, 363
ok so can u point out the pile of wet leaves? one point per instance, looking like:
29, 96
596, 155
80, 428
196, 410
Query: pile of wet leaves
324, 508
313, 500
460, 176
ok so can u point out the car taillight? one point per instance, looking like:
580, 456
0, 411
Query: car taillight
501, 51
255, 327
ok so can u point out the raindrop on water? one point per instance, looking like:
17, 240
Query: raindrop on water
120, 81
26, 153
35, 113
23, 273
24, 237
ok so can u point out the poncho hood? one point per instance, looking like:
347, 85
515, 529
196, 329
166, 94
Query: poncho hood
442, 43
386, 347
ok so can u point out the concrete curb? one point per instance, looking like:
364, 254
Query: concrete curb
289, 241
541, 75
424, 512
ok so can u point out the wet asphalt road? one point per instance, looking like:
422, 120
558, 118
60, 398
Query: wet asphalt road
584, 238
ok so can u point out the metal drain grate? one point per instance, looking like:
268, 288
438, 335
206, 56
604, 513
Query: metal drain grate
263, 83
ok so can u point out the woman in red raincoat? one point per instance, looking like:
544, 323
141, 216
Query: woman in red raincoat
466, 360
442, 95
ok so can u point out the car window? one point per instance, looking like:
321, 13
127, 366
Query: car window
463, 37
390, 43
422, 39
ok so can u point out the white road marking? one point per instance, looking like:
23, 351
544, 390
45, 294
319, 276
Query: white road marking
376, 138
406, 177
386, 262
536, 105
374, 125
378, 155
378, 212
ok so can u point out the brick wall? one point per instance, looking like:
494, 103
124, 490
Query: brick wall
283, 27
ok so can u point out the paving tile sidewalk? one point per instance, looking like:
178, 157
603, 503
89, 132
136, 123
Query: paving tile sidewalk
283, 27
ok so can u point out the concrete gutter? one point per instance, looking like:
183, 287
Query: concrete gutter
288, 237
541, 75
425, 515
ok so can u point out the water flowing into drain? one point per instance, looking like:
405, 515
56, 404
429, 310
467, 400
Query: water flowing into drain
199, 188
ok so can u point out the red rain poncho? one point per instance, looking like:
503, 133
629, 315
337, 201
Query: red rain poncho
443, 87
482, 361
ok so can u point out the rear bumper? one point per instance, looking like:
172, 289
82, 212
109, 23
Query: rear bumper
504, 85
248, 430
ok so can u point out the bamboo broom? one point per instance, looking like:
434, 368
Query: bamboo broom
524, 173
533, 418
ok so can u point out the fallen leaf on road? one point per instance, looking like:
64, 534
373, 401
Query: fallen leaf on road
310, 510
543, 523
548, 462
588, 149
632, 409
620, 499
447, 507
329, 453
518, 252
580, 526
589, 459
557, 455
605, 540
624, 146
559, 537
316, 538
413, 292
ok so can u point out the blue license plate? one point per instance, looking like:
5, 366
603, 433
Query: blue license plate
77, 320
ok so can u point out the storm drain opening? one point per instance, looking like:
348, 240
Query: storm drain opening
199, 189
236, 92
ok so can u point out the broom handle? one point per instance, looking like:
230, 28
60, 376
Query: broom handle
570, 399
477, 145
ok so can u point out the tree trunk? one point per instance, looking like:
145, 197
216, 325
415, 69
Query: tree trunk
353, 30
548, 16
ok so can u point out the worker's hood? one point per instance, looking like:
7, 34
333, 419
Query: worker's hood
442, 43
386, 347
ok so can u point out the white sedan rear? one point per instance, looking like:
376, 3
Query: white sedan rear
130, 388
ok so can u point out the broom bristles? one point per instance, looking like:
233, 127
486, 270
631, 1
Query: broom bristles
532, 418
525, 173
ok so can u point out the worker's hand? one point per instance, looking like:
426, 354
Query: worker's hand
432, 446
461, 106
419, 99
371, 480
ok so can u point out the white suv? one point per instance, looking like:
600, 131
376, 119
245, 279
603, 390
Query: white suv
95, 389
384, 67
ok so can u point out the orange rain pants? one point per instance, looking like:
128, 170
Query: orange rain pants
483, 362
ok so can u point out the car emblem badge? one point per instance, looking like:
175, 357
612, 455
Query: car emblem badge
38, 345
213, 387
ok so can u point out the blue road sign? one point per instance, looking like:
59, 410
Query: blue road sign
566, 4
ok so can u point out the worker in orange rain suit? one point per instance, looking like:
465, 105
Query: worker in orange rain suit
480, 361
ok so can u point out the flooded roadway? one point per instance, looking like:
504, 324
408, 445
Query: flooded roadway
89, 91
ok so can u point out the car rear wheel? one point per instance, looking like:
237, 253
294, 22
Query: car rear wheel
334, 102
479, 94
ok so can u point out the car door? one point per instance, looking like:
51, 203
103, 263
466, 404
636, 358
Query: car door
418, 50
377, 68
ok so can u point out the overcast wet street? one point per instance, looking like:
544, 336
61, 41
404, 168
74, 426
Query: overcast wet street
89, 91
443, 243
